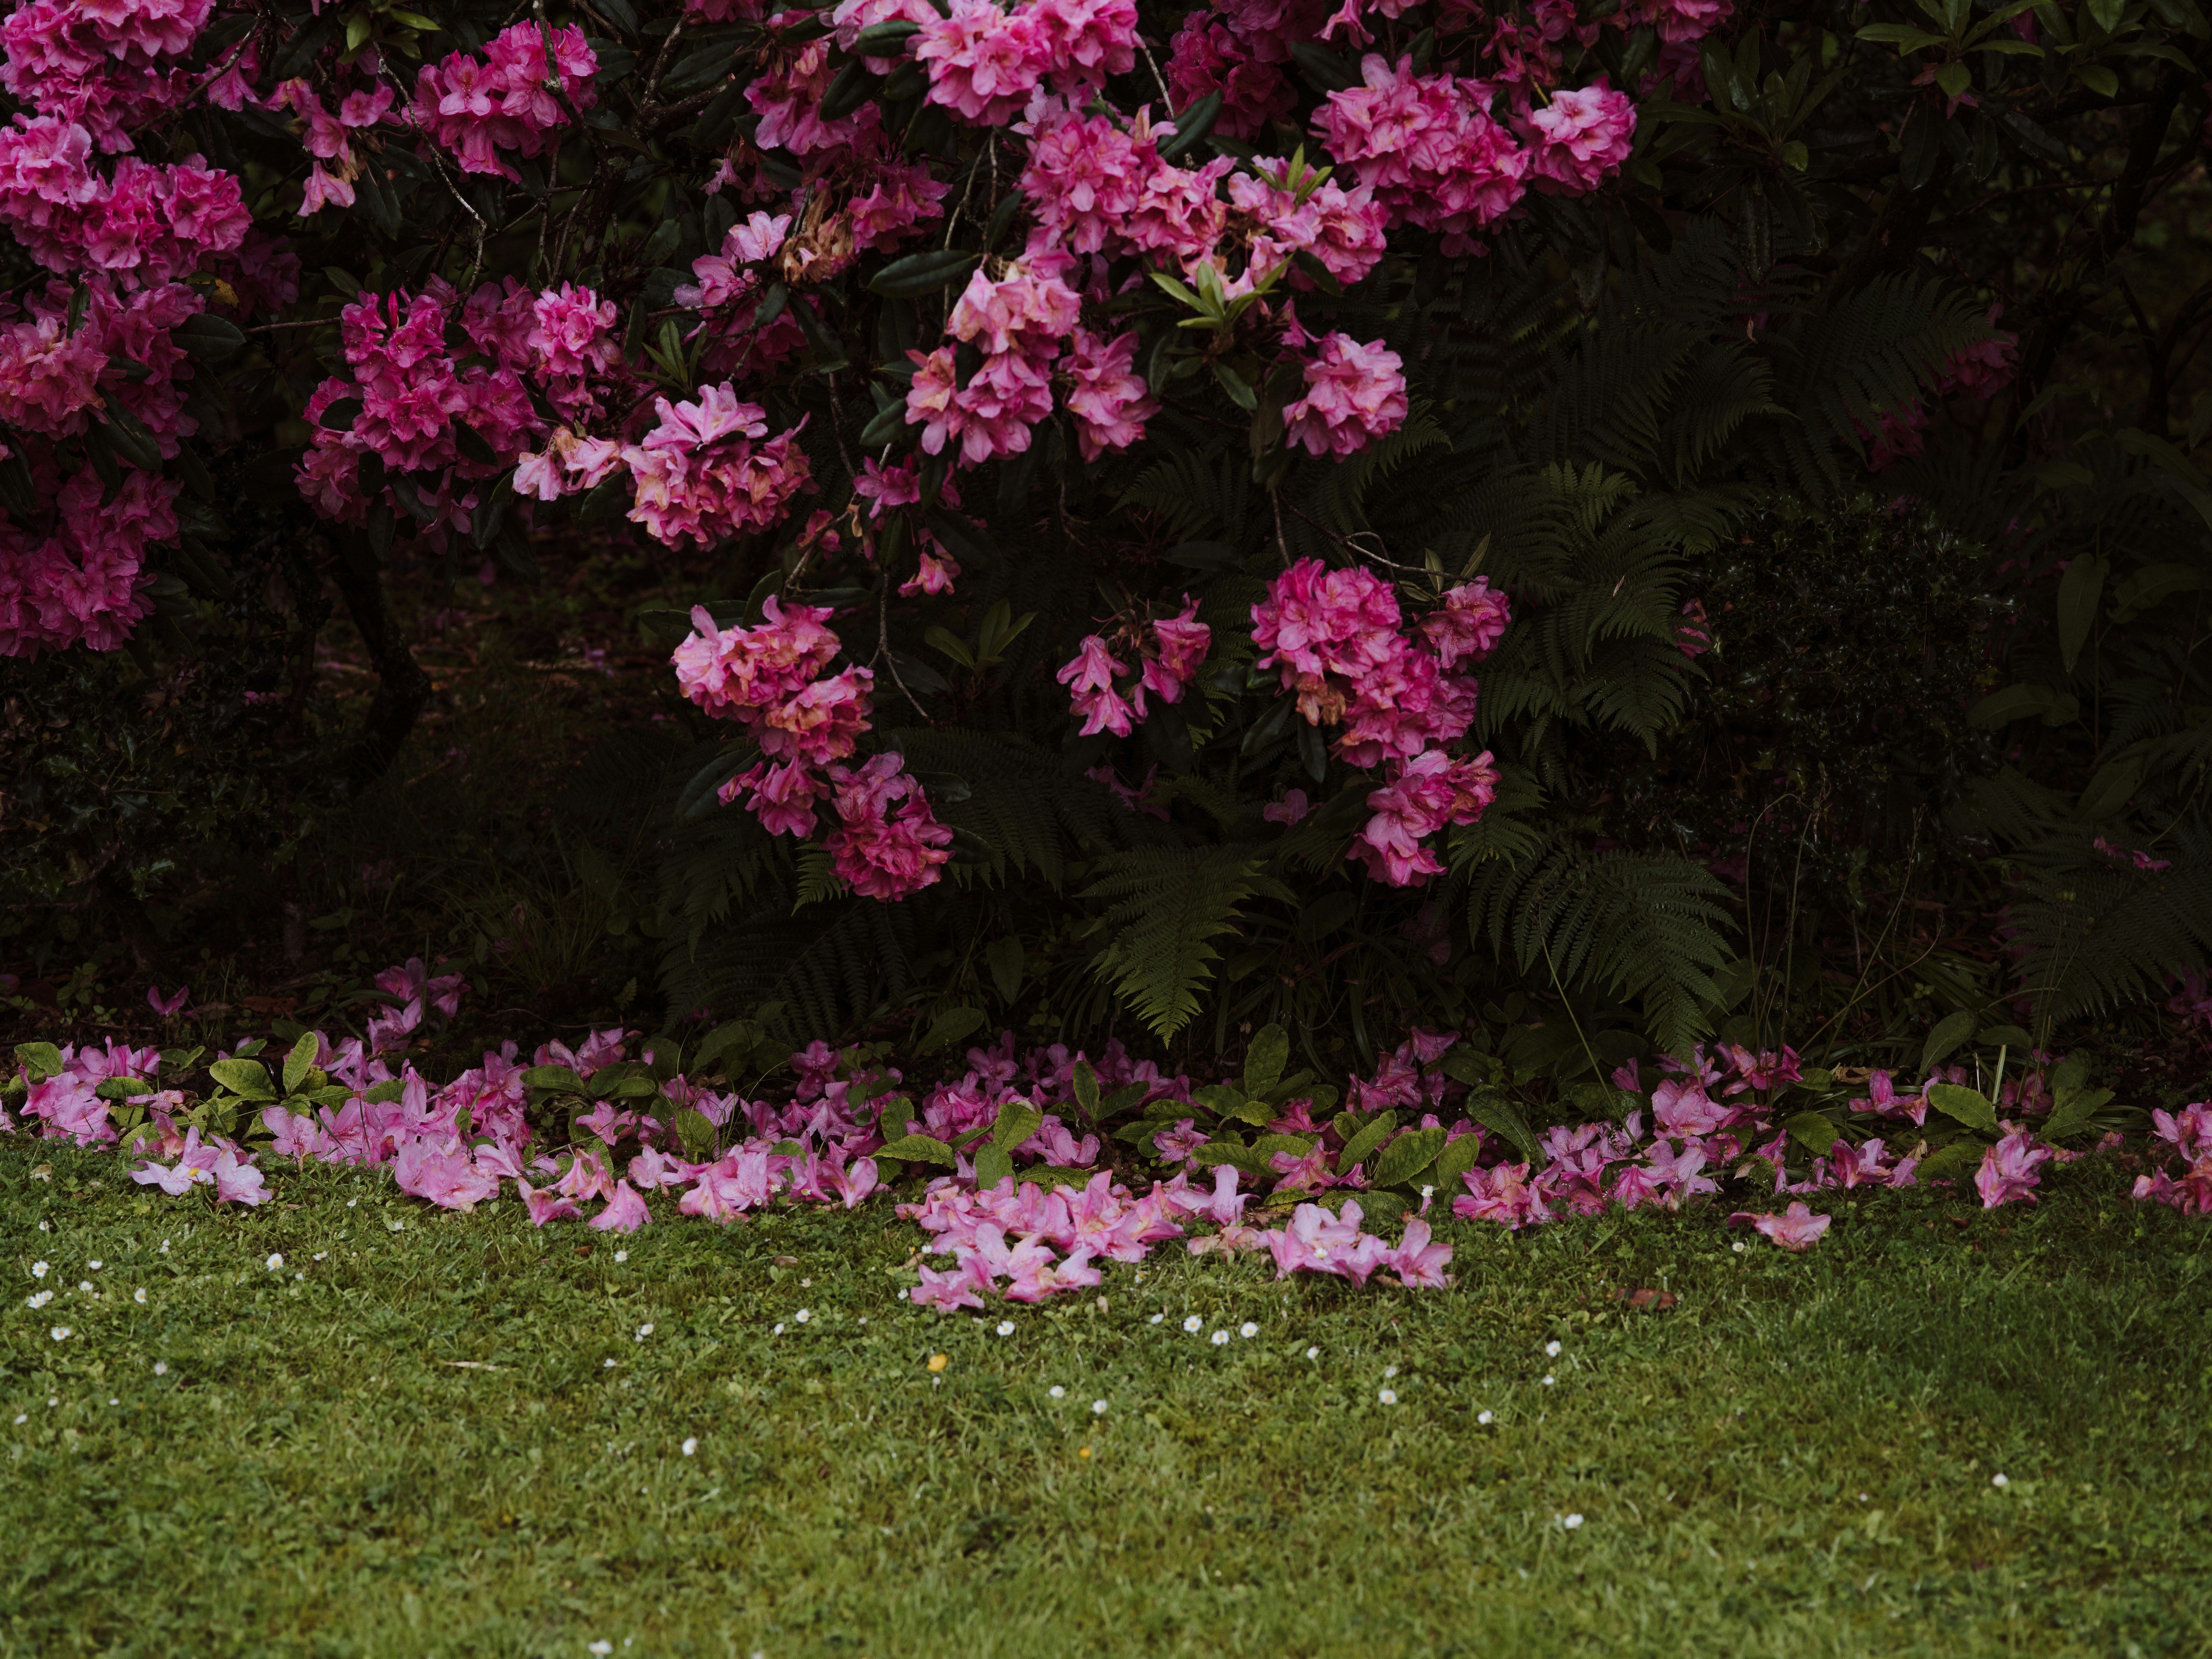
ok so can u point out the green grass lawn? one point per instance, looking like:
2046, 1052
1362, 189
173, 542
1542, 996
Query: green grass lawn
429, 1433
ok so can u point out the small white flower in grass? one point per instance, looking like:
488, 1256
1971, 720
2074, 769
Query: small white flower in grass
1005, 1327
1552, 1350
1389, 1371
1098, 1408
1248, 1330
399, 1226
1157, 1318
1571, 1521
53, 1402
350, 1204
778, 1331
39, 1298
1194, 1324
1485, 1418
600, 1647
1388, 1396
61, 1332
1549, 1379
160, 1367
321, 1254
1313, 1353
95, 1265
1862, 1498
37, 1270
85, 1285
22, 1417
691, 1446
804, 1314
610, 1365
1221, 1339
139, 1296
621, 1256
1999, 1481
114, 1402
164, 1251
1057, 1392
1737, 1247
644, 1331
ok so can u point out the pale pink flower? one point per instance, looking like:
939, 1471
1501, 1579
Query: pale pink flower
1797, 1229
2007, 1170
625, 1211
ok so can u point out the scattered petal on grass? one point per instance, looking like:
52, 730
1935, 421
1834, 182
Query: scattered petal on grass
1157, 1318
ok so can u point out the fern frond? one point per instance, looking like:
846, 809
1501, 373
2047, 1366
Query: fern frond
1166, 904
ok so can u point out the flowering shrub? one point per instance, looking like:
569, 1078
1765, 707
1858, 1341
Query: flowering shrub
1051, 381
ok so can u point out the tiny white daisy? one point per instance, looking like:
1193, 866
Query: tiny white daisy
1737, 1247
1098, 1408
321, 1254
1388, 1396
691, 1446
22, 1417
621, 1256
1549, 1379
1248, 1330
350, 1204
95, 1265
1571, 1521
160, 1367
778, 1331
1313, 1353
1005, 1327
61, 1332
902, 1297
1389, 1371
804, 1314
1220, 1338
1485, 1418
39, 1298
610, 1366
399, 1226
85, 1285
1552, 1350
1057, 1392
37, 1270
1157, 1318
1999, 1481
1194, 1324
600, 1647
644, 1331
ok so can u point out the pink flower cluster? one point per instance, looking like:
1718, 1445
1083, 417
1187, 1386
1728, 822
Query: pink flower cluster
1343, 229
330, 179
1017, 324
983, 63
1425, 146
1354, 394
150, 222
417, 393
1171, 649
701, 475
101, 66
1241, 49
515, 98
769, 678
2187, 1137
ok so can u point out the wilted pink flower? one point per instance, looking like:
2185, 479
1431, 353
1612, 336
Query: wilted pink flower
1797, 1229
1417, 1261
625, 1211
1089, 678
1354, 394
1584, 137
2007, 1170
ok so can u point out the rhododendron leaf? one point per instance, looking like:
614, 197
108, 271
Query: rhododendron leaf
697, 1135
1969, 1106
1002, 217
949, 1028
1408, 1158
383, 1093
918, 274
1264, 1060
1004, 958
1812, 1131
1216, 1152
917, 1148
2153, 586
992, 1166
1950, 1032
1458, 1157
696, 72
885, 426
121, 1088
294, 57
1359, 1145
885, 39
404, 491
553, 1078
1495, 1111
2110, 790
300, 1061
248, 1078
1326, 71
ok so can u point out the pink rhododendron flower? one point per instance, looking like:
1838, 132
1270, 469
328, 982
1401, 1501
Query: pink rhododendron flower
1584, 137
2007, 1170
1110, 403
444, 1174
1427, 149
982, 63
625, 1211
1797, 1229
882, 854
1354, 394
701, 477
477, 107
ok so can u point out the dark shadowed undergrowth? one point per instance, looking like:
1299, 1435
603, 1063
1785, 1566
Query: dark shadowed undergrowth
436, 1433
